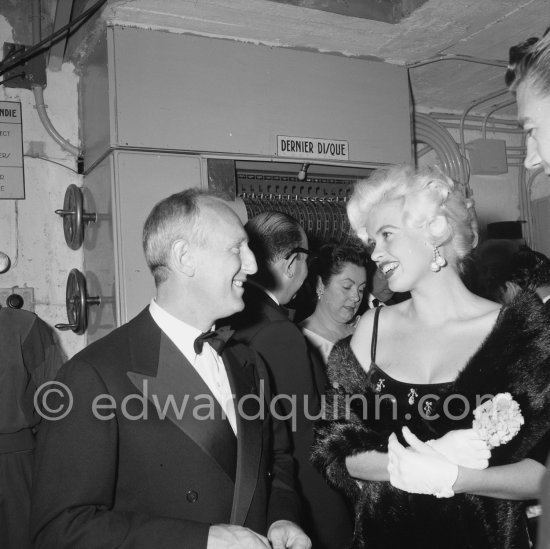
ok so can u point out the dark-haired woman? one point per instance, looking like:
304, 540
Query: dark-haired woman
341, 277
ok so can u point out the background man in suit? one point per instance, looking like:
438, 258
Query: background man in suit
281, 249
161, 448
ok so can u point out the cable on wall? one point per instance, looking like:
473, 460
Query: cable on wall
468, 109
65, 30
13, 77
47, 123
496, 108
429, 131
38, 93
457, 57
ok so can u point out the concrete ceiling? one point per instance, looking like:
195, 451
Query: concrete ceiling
477, 28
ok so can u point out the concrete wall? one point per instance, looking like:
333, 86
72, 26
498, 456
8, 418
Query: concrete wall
30, 232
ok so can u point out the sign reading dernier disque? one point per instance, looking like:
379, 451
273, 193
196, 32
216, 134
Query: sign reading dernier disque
312, 147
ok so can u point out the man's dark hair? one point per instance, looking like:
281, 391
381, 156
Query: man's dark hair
273, 235
530, 59
530, 269
488, 267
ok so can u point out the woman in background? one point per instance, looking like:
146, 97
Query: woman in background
422, 366
340, 279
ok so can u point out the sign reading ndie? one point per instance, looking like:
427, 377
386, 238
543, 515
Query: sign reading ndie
312, 147
12, 181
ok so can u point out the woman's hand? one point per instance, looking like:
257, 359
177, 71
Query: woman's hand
463, 447
420, 469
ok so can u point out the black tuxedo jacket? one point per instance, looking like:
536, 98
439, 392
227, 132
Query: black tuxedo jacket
299, 381
161, 464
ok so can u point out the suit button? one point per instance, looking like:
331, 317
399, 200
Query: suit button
192, 496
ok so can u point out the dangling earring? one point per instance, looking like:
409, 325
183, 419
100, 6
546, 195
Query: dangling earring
438, 261
320, 290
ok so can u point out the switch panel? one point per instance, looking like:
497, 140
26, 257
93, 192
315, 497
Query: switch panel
11, 297
25, 75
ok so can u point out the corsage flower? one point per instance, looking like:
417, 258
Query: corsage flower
498, 420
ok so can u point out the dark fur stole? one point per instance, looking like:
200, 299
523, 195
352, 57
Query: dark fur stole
514, 358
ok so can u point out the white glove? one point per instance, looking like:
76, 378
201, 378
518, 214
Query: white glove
419, 469
463, 447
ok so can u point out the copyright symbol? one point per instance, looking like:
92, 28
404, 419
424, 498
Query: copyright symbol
53, 400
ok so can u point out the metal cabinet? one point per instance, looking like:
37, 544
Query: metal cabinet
158, 106
122, 190
143, 88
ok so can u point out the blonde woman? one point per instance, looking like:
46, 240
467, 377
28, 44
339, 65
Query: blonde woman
397, 435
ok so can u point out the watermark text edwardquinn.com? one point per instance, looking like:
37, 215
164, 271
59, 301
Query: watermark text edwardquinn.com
54, 401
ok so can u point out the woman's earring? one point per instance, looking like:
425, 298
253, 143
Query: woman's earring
319, 293
438, 260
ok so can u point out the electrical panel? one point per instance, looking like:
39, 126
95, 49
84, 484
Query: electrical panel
26, 75
487, 156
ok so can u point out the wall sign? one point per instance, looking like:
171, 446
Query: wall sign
12, 179
311, 147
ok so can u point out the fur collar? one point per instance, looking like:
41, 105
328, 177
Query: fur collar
515, 358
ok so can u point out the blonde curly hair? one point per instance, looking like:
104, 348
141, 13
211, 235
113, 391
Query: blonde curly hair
426, 194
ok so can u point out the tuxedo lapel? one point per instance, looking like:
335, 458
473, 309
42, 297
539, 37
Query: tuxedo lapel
250, 410
177, 393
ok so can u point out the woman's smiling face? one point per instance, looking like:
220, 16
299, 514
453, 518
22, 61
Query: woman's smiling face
401, 252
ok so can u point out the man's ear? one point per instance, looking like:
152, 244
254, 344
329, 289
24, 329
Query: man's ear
182, 257
290, 265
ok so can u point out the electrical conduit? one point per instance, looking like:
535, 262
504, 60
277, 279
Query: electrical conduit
38, 91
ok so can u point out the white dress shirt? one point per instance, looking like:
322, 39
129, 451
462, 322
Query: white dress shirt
209, 365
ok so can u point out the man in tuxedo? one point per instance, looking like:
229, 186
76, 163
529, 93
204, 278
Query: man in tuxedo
281, 249
169, 444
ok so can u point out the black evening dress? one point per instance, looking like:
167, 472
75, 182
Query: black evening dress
364, 407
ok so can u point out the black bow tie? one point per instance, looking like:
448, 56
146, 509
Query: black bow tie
217, 339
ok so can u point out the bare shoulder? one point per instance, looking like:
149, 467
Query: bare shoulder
486, 311
361, 339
